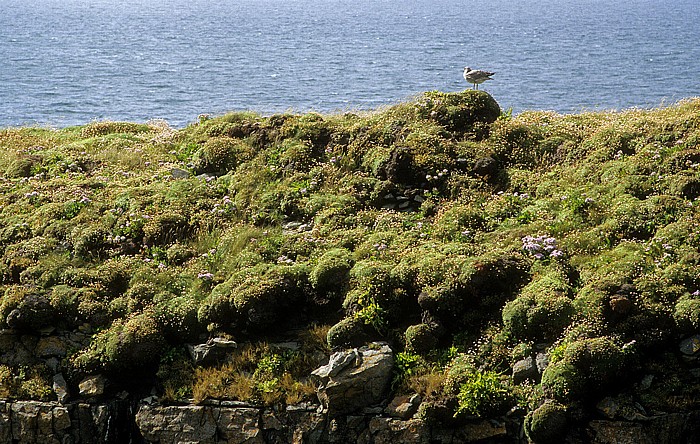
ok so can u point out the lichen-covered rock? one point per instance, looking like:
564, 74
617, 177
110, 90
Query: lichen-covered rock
355, 378
92, 386
394, 431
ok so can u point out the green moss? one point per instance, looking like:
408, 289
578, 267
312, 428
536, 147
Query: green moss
406, 223
132, 343
547, 424
687, 314
256, 298
350, 331
331, 270
585, 366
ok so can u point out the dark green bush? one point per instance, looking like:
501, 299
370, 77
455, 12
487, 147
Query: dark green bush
219, 155
20, 167
542, 310
517, 144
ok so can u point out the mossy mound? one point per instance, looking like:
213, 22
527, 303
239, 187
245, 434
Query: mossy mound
467, 238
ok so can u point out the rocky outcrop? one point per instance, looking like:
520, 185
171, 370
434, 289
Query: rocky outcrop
355, 378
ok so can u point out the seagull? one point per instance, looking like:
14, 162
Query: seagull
476, 76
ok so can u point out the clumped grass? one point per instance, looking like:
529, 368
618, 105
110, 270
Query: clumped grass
466, 237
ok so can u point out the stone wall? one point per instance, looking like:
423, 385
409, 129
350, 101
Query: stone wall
76, 423
120, 421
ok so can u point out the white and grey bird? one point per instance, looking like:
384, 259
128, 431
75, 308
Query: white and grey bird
476, 76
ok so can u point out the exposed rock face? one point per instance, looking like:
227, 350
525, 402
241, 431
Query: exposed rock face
37, 422
177, 424
220, 423
670, 428
234, 422
355, 378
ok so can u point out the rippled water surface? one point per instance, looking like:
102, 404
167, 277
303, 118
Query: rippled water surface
65, 62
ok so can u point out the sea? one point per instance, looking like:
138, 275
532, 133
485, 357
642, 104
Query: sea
70, 62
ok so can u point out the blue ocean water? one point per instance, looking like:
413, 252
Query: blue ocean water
66, 62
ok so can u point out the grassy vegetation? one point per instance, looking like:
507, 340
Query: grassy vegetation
467, 238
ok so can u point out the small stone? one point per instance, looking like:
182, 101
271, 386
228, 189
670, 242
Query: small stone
292, 225
403, 407
404, 205
524, 370
290, 345
178, 173
53, 364
46, 331
418, 198
270, 421
690, 346
542, 361
201, 353
92, 386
